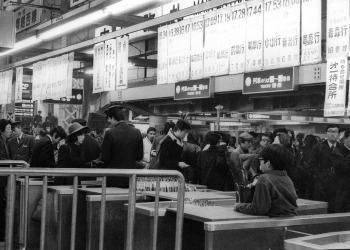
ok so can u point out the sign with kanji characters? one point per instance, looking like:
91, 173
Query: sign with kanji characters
281, 33
76, 2
19, 82
254, 40
27, 17
311, 31
275, 80
194, 89
122, 62
98, 68
336, 74
6, 86
162, 60
110, 64
197, 39
337, 28
237, 25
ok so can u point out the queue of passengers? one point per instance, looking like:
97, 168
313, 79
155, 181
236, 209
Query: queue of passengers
276, 168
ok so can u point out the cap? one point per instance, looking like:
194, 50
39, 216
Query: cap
74, 128
15, 123
3, 124
245, 136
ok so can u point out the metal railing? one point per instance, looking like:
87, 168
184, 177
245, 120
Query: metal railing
13, 173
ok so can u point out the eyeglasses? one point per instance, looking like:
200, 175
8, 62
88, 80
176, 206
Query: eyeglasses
333, 131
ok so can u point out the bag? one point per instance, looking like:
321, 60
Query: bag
37, 213
154, 162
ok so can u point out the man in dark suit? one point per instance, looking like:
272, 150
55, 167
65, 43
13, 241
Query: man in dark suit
122, 145
20, 146
43, 156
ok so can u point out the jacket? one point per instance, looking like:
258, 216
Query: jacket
170, 153
43, 156
22, 150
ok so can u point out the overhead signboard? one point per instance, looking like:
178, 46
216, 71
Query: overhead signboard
275, 80
255, 116
194, 89
75, 98
27, 17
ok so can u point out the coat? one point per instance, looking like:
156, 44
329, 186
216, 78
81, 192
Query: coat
91, 148
70, 156
23, 150
322, 168
122, 146
43, 156
170, 153
4, 155
190, 156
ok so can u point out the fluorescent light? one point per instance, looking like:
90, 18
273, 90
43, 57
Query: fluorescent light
72, 25
89, 72
22, 44
126, 5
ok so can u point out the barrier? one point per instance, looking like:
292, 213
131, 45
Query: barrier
13, 173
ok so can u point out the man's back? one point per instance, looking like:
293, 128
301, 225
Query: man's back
43, 156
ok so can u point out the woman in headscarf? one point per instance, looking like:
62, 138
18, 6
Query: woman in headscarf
70, 155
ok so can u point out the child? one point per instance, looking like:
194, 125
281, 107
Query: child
274, 194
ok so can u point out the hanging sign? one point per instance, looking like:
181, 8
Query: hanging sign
196, 61
281, 33
221, 37
122, 62
27, 17
19, 83
98, 68
334, 104
110, 64
311, 31
194, 89
254, 40
237, 38
162, 59
275, 80
337, 28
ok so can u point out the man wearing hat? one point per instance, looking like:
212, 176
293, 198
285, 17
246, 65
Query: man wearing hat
245, 142
43, 156
20, 146
5, 131
122, 146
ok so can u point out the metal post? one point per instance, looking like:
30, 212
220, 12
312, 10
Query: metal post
103, 213
26, 205
180, 212
131, 213
74, 213
218, 109
10, 210
43, 214
155, 219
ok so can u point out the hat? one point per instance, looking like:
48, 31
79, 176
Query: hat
112, 107
245, 136
15, 123
81, 121
74, 128
3, 124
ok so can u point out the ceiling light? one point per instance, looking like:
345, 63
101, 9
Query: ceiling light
126, 5
22, 44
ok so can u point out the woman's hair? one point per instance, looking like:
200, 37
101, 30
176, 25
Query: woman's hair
277, 156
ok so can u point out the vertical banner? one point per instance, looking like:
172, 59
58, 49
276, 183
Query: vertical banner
221, 23
183, 47
334, 104
98, 69
311, 31
122, 62
281, 33
337, 28
19, 82
211, 21
3, 89
238, 25
110, 64
34, 82
70, 74
197, 38
162, 59
254, 40
173, 52
8, 84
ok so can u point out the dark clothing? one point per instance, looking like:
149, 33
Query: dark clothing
70, 156
4, 151
4, 155
91, 148
38, 119
122, 146
170, 154
52, 121
156, 141
43, 156
274, 196
322, 168
190, 156
341, 157
214, 169
22, 149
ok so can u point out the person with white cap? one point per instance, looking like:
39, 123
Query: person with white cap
71, 155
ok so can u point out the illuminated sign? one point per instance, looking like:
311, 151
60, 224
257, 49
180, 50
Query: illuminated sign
254, 116
193, 89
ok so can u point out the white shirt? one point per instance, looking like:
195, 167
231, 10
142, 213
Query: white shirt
147, 146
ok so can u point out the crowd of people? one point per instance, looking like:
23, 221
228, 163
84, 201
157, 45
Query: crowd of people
274, 168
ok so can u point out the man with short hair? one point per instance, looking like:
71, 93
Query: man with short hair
122, 146
43, 153
38, 119
147, 145
20, 146
170, 151
322, 168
